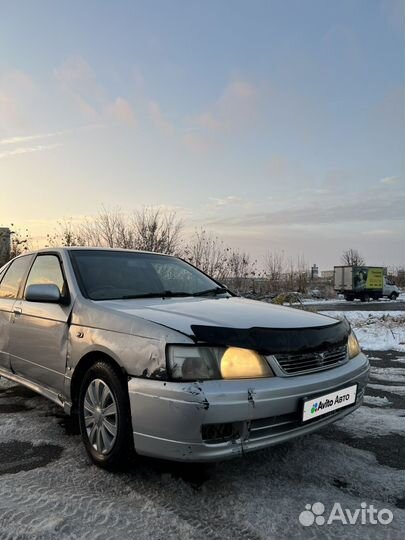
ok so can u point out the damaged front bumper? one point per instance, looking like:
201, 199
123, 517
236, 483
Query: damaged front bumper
214, 420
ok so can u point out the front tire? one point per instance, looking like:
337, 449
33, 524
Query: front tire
393, 296
105, 417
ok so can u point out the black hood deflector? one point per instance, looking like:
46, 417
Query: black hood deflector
275, 340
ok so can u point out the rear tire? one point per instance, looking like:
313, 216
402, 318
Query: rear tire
105, 417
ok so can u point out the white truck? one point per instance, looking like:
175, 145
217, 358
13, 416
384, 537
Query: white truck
363, 282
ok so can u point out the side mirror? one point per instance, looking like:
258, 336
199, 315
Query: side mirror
43, 293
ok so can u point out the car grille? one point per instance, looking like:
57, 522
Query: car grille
294, 364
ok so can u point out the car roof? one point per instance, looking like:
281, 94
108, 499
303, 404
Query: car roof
84, 248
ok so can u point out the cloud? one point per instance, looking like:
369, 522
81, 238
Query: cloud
379, 232
28, 150
79, 77
26, 138
50, 135
232, 110
389, 180
226, 201
16, 88
208, 121
371, 206
79, 81
196, 143
316, 191
121, 111
277, 166
9, 114
18, 82
231, 113
159, 119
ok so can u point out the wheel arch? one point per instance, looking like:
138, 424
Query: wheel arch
84, 364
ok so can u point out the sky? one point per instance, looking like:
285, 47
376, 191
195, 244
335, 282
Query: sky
276, 125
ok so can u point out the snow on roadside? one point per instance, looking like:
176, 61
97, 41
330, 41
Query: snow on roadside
309, 301
397, 390
376, 330
377, 401
387, 374
371, 422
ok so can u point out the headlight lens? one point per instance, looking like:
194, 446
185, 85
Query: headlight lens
353, 347
239, 363
202, 363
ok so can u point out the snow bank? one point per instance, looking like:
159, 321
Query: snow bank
397, 390
370, 422
377, 401
387, 374
376, 330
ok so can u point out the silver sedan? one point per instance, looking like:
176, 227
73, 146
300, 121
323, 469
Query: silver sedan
154, 357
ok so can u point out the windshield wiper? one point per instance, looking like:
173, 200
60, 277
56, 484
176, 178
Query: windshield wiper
215, 291
162, 294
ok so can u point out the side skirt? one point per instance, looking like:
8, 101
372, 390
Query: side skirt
42, 390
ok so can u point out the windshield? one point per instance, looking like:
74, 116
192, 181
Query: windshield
111, 275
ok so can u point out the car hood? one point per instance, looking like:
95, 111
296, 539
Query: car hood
185, 314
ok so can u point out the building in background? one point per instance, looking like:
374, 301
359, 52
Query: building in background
327, 274
314, 271
5, 238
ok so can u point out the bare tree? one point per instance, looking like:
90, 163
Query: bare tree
109, 228
155, 230
209, 254
286, 274
274, 268
230, 266
20, 242
396, 274
302, 274
65, 235
290, 275
351, 257
240, 269
149, 229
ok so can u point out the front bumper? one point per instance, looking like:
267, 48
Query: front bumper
170, 419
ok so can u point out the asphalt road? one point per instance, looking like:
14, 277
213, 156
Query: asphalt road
395, 305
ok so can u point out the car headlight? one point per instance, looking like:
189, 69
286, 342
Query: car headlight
202, 363
353, 347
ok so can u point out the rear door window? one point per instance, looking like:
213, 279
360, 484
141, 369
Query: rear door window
14, 276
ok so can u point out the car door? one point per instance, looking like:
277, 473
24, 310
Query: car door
11, 279
38, 335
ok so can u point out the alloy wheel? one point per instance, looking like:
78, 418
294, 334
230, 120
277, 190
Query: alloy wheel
100, 416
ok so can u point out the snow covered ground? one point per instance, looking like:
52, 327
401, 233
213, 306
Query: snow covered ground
49, 489
340, 300
376, 330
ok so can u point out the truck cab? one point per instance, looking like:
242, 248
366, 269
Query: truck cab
390, 289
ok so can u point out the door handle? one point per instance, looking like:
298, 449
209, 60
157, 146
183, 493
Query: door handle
17, 311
